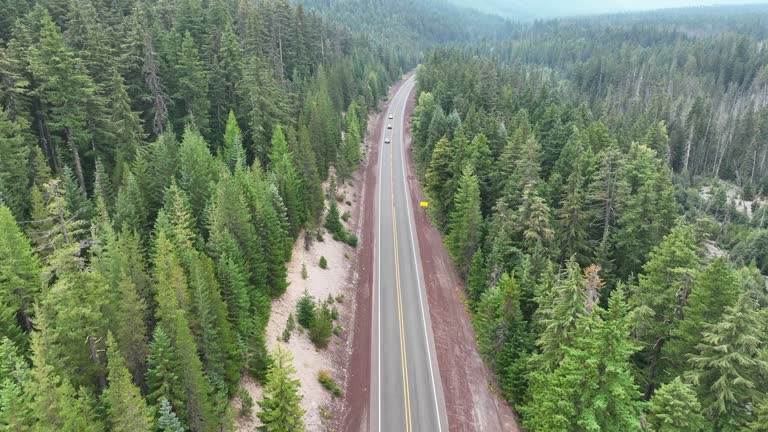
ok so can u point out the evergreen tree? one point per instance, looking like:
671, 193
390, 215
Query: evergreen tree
350, 146
14, 165
127, 410
198, 173
66, 90
126, 124
312, 191
172, 289
192, 86
466, 220
162, 381
481, 160
166, 418
438, 178
281, 407
713, 289
728, 362
647, 207
287, 180
675, 408
20, 280
15, 389
664, 285
593, 378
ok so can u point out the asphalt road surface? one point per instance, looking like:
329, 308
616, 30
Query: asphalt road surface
406, 391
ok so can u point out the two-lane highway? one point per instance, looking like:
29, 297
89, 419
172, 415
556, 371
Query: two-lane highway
407, 394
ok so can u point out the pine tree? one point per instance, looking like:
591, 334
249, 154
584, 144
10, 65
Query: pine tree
713, 289
533, 219
664, 285
647, 207
232, 151
728, 362
281, 407
162, 381
572, 220
126, 124
198, 173
593, 378
171, 286
166, 418
481, 160
287, 180
66, 89
19, 281
476, 278
559, 317
312, 191
350, 146
675, 408
466, 220
15, 389
14, 165
438, 178
127, 411
192, 86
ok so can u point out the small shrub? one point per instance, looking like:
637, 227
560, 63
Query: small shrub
334, 313
323, 263
345, 217
290, 326
304, 274
286, 336
324, 378
340, 298
336, 330
352, 240
246, 403
306, 310
349, 203
319, 235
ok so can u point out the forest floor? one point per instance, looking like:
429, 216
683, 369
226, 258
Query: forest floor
339, 279
472, 400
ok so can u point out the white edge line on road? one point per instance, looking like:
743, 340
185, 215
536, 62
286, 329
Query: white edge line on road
378, 276
416, 262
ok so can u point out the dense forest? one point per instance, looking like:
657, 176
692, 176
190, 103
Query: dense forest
599, 184
157, 162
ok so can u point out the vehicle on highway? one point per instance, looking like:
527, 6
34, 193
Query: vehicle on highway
389, 126
391, 116
387, 140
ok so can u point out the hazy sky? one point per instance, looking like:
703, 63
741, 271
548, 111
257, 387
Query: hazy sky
526, 9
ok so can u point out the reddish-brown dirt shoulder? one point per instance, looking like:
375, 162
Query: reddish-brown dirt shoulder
471, 403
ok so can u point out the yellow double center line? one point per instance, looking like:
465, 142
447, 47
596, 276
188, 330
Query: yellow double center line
403, 356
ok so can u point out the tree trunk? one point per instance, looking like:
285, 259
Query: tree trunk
76, 156
650, 387
94, 353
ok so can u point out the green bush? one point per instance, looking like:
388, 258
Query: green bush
304, 274
345, 217
352, 240
323, 263
324, 378
306, 310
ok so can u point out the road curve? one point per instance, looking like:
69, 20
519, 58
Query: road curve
406, 389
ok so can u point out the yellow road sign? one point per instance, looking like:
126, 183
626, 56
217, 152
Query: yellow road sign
424, 204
